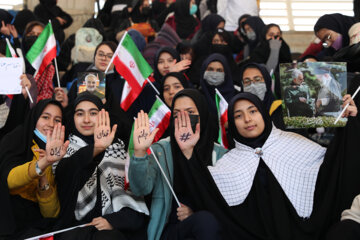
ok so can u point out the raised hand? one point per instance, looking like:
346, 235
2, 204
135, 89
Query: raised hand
13, 31
103, 134
25, 82
184, 135
180, 66
142, 137
55, 146
5, 29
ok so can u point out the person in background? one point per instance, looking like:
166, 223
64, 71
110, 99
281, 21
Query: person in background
257, 80
184, 20
48, 10
272, 50
332, 30
231, 10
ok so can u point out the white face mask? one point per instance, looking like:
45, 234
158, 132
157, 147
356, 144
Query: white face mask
214, 78
251, 35
258, 89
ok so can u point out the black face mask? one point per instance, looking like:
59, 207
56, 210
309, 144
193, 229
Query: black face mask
145, 11
222, 49
28, 42
194, 119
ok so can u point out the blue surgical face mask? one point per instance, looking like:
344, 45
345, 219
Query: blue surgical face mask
193, 9
41, 136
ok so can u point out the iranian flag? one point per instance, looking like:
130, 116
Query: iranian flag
222, 109
43, 51
159, 117
10, 52
132, 66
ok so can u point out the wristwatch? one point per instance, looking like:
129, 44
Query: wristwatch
38, 170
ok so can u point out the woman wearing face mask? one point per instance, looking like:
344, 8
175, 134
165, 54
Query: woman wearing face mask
332, 30
257, 80
184, 158
184, 20
272, 50
287, 186
253, 27
91, 178
44, 81
215, 73
28, 190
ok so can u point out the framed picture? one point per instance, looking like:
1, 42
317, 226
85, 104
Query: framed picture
312, 93
93, 82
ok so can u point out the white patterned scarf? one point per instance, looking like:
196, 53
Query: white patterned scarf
112, 171
294, 161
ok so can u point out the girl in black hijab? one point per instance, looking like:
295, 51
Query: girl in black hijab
60, 20
272, 50
92, 178
28, 191
288, 187
184, 22
169, 61
258, 82
184, 159
216, 77
332, 30
253, 27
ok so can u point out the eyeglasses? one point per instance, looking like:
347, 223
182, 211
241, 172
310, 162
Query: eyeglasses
325, 42
101, 55
248, 81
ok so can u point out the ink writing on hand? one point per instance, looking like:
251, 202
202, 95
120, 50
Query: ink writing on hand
55, 151
185, 136
102, 134
143, 134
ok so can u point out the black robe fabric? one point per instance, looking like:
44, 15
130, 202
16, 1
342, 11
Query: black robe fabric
71, 175
267, 213
185, 23
20, 217
18, 109
46, 10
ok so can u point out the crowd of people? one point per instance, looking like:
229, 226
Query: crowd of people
74, 157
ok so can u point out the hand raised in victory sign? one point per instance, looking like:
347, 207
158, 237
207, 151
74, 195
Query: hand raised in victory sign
142, 137
55, 146
103, 135
185, 137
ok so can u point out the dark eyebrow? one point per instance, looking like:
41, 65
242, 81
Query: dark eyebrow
46, 113
79, 110
250, 107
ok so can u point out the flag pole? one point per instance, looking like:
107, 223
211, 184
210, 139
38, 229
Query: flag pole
26, 88
112, 59
56, 67
347, 105
157, 92
56, 232
167, 181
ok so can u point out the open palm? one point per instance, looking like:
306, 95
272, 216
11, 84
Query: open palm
103, 135
55, 146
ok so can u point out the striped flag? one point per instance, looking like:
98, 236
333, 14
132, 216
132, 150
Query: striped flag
222, 109
10, 52
159, 117
43, 51
130, 64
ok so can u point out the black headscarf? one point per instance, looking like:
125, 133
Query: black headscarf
257, 25
15, 150
251, 142
338, 23
203, 148
226, 88
185, 23
210, 22
180, 76
169, 50
136, 15
269, 97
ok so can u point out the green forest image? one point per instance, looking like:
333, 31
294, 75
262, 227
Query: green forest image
312, 93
